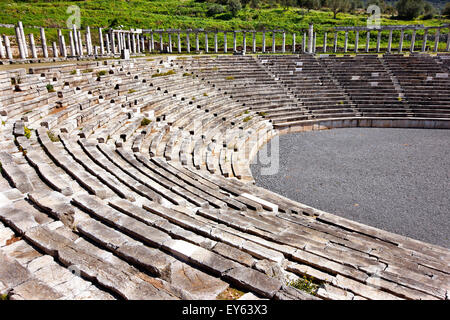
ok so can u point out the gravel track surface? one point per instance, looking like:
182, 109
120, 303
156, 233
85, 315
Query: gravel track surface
393, 179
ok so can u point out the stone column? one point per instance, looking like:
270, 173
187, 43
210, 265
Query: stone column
152, 42
314, 42
80, 43
335, 42
8, 50
170, 42
24, 42
293, 43
197, 42
206, 42
244, 42
2, 49
356, 40
75, 39
264, 42
225, 49
413, 40
179, 42
400, 45
234, 41
389, 48
108, 45
129, 36
346, 42
100, 39
188, 42
32, 46
113, 44
254, 42
368, 41
88, 41
120, 41
142, 43
60, 46
63, 46
304, 50
310, 38
448, 42
137, 42
20, 43
436, 40
216, 44
425, 38
274, 47
283, 47
378, 41
55, 50
325, 42
161, 42
72, 44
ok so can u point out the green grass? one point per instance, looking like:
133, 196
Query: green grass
27, 132
50, 88
52, 136
162, 74
306, 284
101, 73
183, 14
145, 122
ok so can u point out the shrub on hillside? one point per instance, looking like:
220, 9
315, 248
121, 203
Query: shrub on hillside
409, 9
234, 6
215, 9
446, 11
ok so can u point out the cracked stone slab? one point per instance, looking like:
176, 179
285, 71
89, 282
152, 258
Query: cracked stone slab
254, 281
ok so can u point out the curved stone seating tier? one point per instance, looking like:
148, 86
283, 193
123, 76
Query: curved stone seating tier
98, 204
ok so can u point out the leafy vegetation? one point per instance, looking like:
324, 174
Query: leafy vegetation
162, 74
145, 122
101, 73
27, 132
52, 136
306, 284
50, 88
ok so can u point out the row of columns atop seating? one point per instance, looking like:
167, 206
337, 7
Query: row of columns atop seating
137, 41
403, 30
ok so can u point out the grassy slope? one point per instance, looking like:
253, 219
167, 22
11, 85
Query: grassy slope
183, 14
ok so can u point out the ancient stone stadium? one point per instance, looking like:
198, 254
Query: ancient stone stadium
126, 175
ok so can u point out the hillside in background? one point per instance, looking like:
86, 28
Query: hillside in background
165, 14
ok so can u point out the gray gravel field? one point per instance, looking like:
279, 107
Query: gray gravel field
393, 179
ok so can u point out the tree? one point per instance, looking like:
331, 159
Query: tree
409, 9
214, 9
337, 6
286, 3
234, 6
446, 11
429, 11
309, 4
